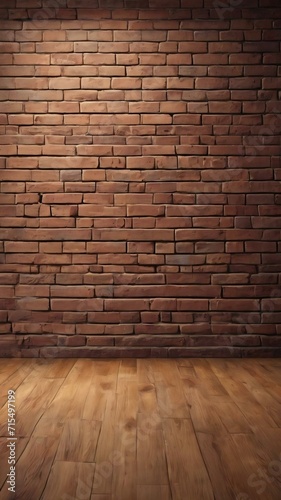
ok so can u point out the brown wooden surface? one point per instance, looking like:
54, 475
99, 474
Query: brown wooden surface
147, 429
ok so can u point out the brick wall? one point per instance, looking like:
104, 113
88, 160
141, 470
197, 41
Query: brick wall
140, 193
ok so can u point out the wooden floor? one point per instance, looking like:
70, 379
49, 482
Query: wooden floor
148, 429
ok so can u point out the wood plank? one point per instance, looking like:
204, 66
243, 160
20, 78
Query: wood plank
80, 377
232, 418
125, 438
117, 437
27, 385
8, 367
147, 401
30, 411
211, 408
147, 397
273, 364
100, 497
209, 382
95, 404
256, 415
223, 460
126, 402
269, 440
14, 380
33, 468
103, 383
31, 401
70, 399
187, 472
241, 395
184, 362
46, 368
78, 441
62, 402
265, 379
183, 423
151, 459
106, 453
48, 427
122, 470
202, 413
69, 481
169, 389
145, 372
186, 371
265, 399
153, 492
125, 471
128, 369
4, 454
43, 392
223, 369
260, 463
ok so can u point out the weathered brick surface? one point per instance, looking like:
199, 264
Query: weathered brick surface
140, 178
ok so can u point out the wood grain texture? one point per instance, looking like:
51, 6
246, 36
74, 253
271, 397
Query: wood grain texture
69, 480
144, 429
187, 472
78, 441
151, 492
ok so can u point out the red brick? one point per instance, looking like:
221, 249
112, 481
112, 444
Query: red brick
66, 59
167, 291
20, 246
95, 83
94, 150
234, 305
160, 172
72, 291
76, 305
102, 247
224, 47
209, 59
33, 304
51, 47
